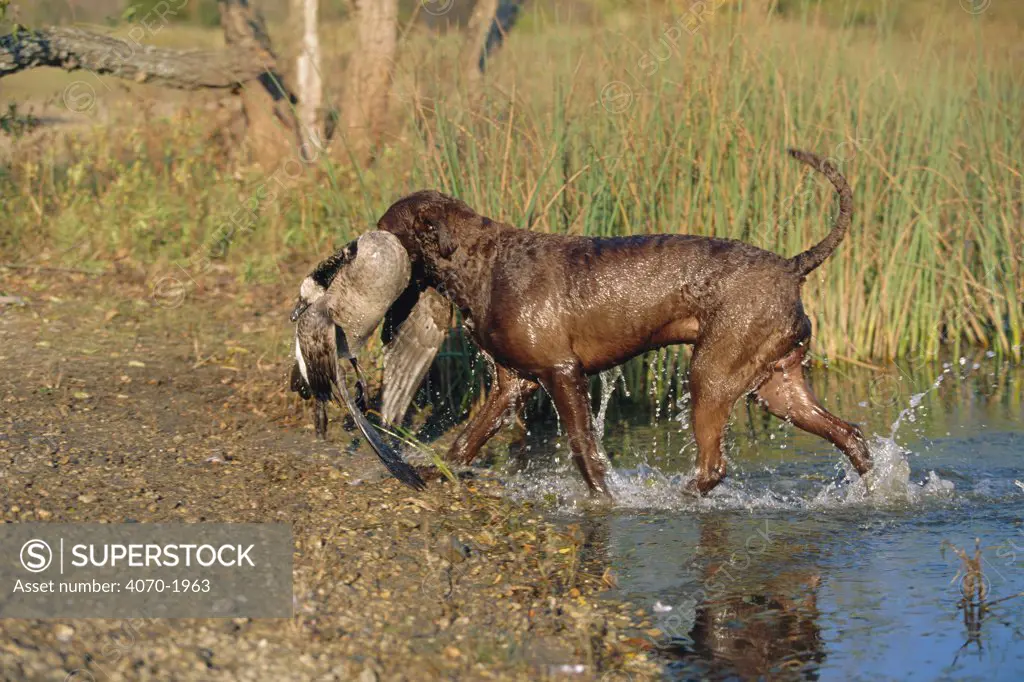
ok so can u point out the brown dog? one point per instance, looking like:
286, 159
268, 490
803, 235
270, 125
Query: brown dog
552, 309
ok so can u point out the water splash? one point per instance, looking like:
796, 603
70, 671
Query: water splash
683, 417
608, 379
888, 482
909, 413
646, 487
892, 482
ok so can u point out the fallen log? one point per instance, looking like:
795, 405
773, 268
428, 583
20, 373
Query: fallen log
248, 66
74, 49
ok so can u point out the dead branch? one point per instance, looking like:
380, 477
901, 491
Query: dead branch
248, 65
75, 49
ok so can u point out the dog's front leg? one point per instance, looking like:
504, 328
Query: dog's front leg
568, 387
509, 393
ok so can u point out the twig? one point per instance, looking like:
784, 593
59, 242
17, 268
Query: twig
1002, 599
51, 268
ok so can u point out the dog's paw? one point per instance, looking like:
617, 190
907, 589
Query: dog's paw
698, 487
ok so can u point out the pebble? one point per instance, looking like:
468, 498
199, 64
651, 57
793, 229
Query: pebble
63, 633
452, 549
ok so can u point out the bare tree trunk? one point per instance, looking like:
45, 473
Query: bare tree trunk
307, 66
364, 110
269, 106
488, 26
473, 57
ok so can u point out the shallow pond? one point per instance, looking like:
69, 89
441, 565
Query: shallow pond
792, 568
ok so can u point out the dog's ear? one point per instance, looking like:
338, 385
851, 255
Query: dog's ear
432, 219
446, 246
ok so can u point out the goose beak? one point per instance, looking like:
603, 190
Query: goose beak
300, 307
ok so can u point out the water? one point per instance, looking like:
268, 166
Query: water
794, 568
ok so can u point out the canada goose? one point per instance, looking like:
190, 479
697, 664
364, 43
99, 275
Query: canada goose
414, 328
340, 305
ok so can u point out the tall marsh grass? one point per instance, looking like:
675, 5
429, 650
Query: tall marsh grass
618, 131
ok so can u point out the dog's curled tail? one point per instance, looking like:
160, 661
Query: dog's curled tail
805, 262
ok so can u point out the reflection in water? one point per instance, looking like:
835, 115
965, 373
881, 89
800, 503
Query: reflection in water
596, 545
745, 631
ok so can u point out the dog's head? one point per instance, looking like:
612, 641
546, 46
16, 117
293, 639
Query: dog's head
426, 223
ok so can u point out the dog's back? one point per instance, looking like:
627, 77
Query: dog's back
608, 299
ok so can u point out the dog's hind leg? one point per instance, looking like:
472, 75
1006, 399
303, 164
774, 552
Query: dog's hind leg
509, 393
724, 368
787, 396
570, 390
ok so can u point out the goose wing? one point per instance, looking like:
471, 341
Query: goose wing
363, 291
414, 329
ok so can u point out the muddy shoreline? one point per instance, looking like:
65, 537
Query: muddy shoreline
119, 408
